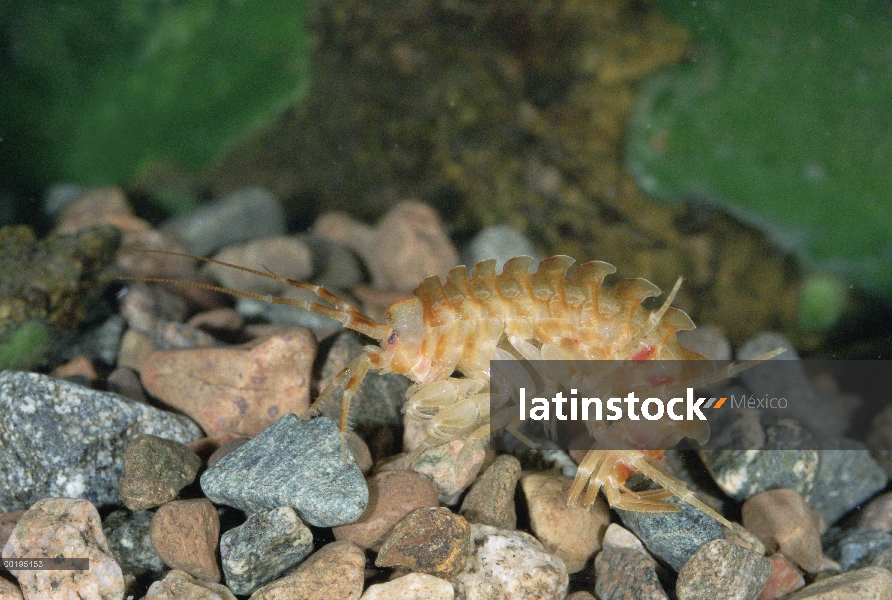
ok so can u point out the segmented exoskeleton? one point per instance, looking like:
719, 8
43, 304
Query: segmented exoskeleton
458, 326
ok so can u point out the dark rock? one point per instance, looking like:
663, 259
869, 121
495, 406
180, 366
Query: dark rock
622, 573
128, 537
435, 541
291, 463
858, 548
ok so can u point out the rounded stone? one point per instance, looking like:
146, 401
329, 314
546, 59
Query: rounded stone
435, 541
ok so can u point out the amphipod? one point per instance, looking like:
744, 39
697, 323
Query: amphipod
456, 327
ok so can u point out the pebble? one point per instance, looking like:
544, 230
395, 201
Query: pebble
428, 540
217, 319
291, 463
361, 452
262, 548
155, 470
407, 245
334, 572
572, 533
859, 547
785, 579
285, 256
185, 535
490, 501
784, 523
78, 368
708, 341
7, 524
722, 570
618, 537
225, 449
869, 583
236, 392
672, 537
844, 481
10, 591
379, 400
131, 545
392, 496
334, 266
510, 565
500, 242
59, 439
143, 306
125, 382
101, 205
179, 585
625, 573
414, 586
451, 467
247, 214
71, 528
877, 514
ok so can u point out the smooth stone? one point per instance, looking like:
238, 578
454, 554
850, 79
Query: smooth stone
334, 572
285, 256
452, 467
414, 586
185, 534
392, 496
877, 514
59, 439
869, 583
292, 463
785, 579
859, 547
10, 591
625, 573
784, 523
155, 470
500, 242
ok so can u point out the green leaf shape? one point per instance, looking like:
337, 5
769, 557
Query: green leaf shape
784, 117
95, 90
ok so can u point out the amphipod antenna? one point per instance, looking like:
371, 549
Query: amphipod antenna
349, 316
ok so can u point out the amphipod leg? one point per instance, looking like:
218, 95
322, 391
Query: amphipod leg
350, 378
678, 489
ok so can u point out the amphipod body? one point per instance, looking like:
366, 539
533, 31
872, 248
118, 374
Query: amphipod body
444, 337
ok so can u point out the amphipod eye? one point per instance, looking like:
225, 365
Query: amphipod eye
393, 335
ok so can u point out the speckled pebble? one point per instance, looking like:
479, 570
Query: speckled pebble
291, 463
490, 501
334, 572
262, 548
185, 534
236, 392
510, 565
869, 583
69, 528
392, 496
622, 573
414, 586
155, 470
428, 540
784, 523
59, 439
720, 569
130, 543
179, 585
572, 533
285, 256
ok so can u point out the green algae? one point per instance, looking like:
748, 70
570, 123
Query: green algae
783, 117
95, 90
25, 347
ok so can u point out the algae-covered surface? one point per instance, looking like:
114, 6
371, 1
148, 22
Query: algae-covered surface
47, 286
782, 116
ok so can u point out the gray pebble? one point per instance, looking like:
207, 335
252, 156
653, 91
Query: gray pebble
244, 215
334, 266
128, 537
845, 479
262, 548
500, 242
490, 501
858, 548
622, 573
58, 439
723, 570
672, 537
291, 463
